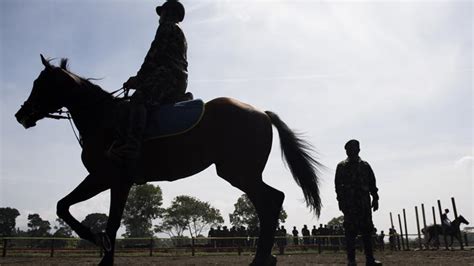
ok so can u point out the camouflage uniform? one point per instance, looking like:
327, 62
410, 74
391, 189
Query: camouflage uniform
355, 182
163, 76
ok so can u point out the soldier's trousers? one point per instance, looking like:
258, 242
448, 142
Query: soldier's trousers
350, 245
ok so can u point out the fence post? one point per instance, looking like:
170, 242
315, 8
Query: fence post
52, 248
441, 221
406, 230
192, 246
151, 246
5, 243
456, 216
401, 231
423, 212
239, 248
418, 227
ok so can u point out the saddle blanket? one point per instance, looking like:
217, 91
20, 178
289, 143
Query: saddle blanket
173, 119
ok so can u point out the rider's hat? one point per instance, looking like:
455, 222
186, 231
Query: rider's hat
174, 7
353, 143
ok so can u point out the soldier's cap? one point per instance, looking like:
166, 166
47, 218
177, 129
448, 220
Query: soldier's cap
352, 143
174, 6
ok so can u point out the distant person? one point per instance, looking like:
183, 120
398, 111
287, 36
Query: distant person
314, 233
281, 240
295, 236
355, 183
392, 238
305, 234
445, 221
381, 240
162, 78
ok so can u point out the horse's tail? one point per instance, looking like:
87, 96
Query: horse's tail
303, 167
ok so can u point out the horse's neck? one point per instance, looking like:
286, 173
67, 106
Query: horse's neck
455, 223
88, 108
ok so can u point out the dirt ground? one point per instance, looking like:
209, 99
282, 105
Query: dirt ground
326, 258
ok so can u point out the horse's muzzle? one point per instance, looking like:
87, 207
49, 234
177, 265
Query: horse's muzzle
25, 118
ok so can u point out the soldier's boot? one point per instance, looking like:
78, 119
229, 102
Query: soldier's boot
351, 251
369, 253
127, 154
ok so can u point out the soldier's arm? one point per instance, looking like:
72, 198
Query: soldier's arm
372, 183
339, 183
159, 46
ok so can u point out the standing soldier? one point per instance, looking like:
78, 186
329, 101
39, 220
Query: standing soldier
314, 233
295, 236
355, 183
162, 78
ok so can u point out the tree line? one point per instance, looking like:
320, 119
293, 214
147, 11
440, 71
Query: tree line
185, 214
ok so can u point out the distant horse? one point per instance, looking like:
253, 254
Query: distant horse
434, 231
234, 136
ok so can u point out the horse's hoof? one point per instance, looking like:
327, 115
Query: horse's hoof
103, 241
106, 261
269, 261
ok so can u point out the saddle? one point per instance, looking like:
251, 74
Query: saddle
173, 119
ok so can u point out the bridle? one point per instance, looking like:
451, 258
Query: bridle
66, 114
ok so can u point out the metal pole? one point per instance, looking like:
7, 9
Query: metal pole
423, 213
401, 231
434, 223
441, 219
391, 220
406, 230
456, 216
418, 227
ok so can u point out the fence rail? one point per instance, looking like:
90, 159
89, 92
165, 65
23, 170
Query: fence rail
55, 246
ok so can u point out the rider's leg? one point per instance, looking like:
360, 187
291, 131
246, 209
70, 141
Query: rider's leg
129, 152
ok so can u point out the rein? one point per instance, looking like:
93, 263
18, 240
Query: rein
67, 115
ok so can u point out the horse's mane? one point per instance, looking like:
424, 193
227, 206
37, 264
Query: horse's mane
64, 65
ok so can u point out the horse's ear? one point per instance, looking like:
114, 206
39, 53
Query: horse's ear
45, 62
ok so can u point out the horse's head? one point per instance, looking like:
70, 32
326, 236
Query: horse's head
46, 96
462, 220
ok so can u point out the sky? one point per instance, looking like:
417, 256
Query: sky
396, 75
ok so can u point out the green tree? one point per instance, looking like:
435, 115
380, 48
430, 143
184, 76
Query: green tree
336, 221
8, 221
245, 214
189, 213
37, 226
97, 222
62, 229
143, 205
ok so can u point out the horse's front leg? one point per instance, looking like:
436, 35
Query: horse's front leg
88, 188
118, 198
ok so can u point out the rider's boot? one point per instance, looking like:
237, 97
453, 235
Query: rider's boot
127, 155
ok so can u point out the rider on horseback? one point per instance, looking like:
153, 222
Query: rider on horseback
445, 220
161, 79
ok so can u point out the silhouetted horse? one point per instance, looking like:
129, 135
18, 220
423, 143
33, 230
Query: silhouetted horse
234, 136
434, 231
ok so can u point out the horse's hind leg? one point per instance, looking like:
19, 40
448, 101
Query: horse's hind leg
267, 202
87, 189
